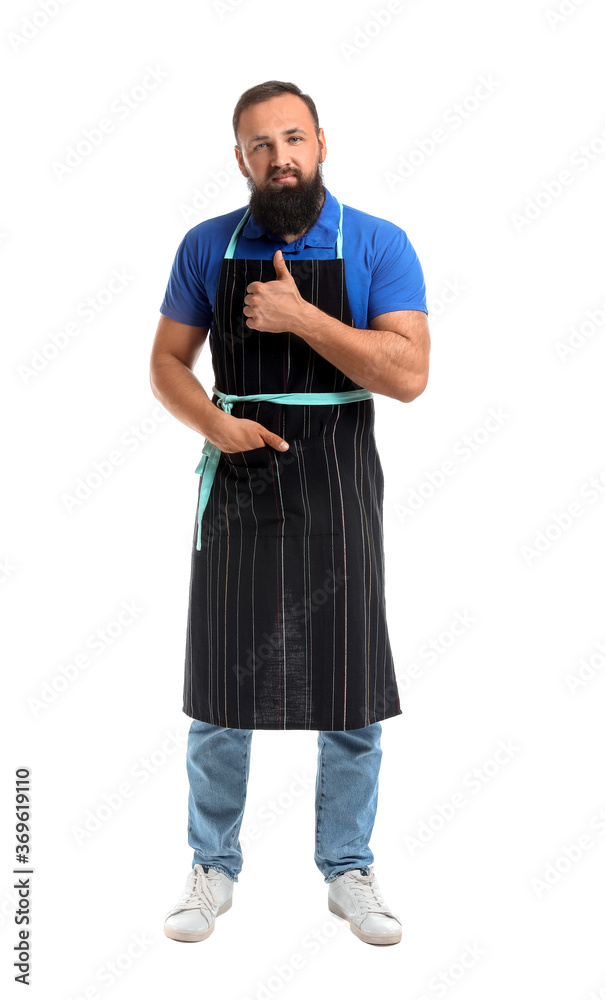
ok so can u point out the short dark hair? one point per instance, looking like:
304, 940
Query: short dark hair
264, 92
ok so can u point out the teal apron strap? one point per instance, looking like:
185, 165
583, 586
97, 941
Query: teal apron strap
206, 468
299, 398
233, 240
339, 237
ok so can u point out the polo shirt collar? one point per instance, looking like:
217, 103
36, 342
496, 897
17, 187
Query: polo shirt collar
322, 234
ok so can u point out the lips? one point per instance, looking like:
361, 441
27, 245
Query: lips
284, 177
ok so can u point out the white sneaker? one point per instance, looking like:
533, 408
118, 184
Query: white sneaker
207, 894
356, 897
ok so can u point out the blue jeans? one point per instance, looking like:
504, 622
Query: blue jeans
346, 794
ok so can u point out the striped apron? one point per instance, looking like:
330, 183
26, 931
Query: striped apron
287, 619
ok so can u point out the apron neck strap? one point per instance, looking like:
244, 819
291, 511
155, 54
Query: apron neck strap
233, 241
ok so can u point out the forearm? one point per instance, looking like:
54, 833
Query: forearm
378, 360
183, 395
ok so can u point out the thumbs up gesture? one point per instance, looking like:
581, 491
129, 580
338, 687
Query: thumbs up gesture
273, 306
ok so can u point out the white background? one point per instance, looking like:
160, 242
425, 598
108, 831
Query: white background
526, 278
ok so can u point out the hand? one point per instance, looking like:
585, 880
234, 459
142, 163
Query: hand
240, 434
273, 306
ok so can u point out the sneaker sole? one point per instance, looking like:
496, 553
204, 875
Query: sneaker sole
363, 935
177, 935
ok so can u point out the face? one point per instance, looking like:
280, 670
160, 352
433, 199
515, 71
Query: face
281, 158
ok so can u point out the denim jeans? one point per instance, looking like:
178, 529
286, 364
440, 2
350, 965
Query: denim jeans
346, 795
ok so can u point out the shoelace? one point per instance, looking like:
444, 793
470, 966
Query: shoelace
197, 891
368, 895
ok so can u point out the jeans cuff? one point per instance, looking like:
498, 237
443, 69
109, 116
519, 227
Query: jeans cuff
216, 868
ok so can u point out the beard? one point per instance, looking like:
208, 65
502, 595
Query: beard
287, 209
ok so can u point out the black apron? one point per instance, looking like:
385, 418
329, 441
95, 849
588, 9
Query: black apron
287, 620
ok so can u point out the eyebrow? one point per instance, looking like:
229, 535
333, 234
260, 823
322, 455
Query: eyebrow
288, 131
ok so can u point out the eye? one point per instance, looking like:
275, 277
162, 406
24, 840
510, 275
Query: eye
298, 138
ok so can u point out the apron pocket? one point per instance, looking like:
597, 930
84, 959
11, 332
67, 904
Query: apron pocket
290, 493
251, 458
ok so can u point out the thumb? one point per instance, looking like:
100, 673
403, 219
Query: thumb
280, 266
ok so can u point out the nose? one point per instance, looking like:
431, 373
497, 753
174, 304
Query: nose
281, 156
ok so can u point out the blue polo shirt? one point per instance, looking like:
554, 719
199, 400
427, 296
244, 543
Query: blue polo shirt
382, 270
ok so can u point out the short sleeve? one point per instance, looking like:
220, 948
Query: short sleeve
185, 299
397, 279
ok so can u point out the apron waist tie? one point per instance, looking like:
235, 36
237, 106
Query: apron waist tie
211, 453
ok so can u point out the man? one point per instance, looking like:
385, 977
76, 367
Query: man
286, 626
